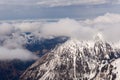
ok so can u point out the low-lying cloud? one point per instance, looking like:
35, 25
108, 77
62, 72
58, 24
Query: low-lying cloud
108, 24
67, 27
21, 54
12, 41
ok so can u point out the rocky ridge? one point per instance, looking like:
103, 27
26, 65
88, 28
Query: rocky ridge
77, 60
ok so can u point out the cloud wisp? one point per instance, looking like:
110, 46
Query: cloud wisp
54, 3
21, 54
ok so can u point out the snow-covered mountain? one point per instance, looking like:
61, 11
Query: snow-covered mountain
78, 60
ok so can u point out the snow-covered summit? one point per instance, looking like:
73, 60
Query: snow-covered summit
77, 60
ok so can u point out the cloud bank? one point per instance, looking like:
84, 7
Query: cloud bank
108, 24
12, 39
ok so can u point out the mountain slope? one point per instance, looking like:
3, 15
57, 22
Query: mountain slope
77, 60
12, 69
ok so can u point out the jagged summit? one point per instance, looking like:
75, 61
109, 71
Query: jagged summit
76, 60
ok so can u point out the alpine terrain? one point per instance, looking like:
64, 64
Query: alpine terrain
78, 60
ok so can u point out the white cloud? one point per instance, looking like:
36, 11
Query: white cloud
10, 54
28, 26
5, 28
108, 24
67, 27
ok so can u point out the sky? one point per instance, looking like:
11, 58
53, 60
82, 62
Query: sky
55, 9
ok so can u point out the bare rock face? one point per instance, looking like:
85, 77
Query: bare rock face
77, 60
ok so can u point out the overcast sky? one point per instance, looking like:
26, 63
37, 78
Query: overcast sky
37, 9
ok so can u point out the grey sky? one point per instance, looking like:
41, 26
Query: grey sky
51, 2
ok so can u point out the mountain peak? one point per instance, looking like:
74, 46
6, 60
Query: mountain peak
75, 60
99, 37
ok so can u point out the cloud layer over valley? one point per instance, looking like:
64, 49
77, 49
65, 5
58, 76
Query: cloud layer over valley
21, 54
12, 39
